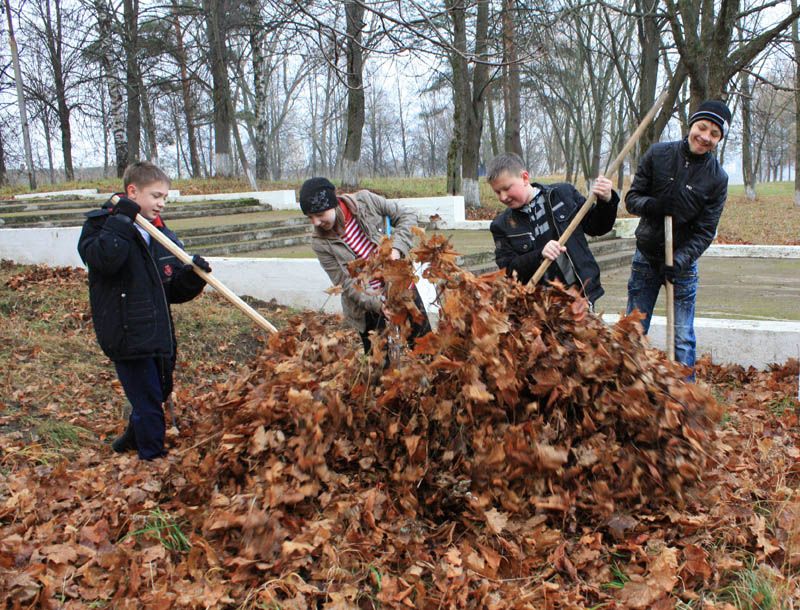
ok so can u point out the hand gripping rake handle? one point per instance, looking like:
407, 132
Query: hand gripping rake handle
610, 170
210, 279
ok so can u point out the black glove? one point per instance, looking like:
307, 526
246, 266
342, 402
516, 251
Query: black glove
202, 263
127, 207
670, 272
665, 205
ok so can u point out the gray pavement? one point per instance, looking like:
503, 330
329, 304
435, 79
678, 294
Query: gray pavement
735, 288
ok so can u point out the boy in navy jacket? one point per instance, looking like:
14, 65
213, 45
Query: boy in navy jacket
132, 281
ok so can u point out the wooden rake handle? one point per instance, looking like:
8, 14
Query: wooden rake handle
590, 200
210, 279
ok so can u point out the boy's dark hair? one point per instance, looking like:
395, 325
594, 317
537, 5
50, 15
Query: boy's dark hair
505, 162
142, 174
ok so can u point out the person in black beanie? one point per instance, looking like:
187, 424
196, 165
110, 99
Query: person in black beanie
350, 227
682, 179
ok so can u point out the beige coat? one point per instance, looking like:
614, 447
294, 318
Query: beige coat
370, 211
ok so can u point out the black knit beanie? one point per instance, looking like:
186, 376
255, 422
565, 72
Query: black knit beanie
317, 195
716, 112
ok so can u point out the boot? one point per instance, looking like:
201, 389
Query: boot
126, 442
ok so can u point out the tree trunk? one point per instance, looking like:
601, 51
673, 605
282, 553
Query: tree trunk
49, 140
54, 38
23, 114
492, 126
747, 140
354, 12
472, 101
3, 173
260, 141
148, 122
796, 45
223, 160
406, 171
116, 111
511, 86
133, 125
186, 92
649, 44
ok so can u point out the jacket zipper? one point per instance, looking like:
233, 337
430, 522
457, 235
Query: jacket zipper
566, 252
163, 294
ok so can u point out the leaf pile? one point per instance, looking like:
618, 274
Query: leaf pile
518, 458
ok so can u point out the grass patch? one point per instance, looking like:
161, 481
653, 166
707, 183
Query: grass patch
162, 527
755, 588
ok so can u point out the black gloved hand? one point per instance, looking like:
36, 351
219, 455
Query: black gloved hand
670, 272
202, 263
665, 205
127, 207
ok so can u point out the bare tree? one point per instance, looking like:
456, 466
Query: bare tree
796, 49
354, 12
511, 84
21, 101
703, 34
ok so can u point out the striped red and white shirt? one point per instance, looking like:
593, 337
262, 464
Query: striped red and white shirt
361, 246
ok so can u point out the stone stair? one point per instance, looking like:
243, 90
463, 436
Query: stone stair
46, 213
241, 238
610, 251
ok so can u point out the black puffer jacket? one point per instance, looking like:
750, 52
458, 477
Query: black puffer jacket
698, 187
131, 286
515, 249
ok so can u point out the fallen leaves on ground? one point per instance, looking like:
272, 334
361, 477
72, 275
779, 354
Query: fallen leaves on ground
525, 455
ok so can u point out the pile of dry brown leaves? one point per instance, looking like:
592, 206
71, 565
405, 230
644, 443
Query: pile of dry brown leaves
525, 455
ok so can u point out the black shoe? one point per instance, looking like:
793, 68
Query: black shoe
126, 442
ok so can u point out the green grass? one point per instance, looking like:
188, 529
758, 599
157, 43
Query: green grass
755, 589
163, 528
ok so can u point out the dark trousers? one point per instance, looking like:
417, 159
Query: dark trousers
141, 380
375, 321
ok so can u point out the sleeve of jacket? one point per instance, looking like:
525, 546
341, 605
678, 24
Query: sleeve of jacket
639, 199
185, 285
600, 219
704, 229
402, 220
341, 277
507, 258
105, 243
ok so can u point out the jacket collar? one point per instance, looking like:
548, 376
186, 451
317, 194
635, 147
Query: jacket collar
689, 155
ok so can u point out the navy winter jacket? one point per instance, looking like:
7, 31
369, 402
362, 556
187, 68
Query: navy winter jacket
515, 249
697, 187
131, 286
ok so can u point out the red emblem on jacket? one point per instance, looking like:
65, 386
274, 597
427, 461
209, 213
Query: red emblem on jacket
167, 270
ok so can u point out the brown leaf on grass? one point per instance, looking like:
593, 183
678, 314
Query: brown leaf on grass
643, 592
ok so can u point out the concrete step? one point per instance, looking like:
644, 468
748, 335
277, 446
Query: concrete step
610, 253
251, 246
71, 219
609, 246
614, 260
251, 226
36, 205
230, 237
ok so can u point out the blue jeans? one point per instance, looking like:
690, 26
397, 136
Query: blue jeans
142, 384
643, 287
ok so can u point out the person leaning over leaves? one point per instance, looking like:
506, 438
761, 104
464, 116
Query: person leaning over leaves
536, 215
682, 179
132, 281
350, 227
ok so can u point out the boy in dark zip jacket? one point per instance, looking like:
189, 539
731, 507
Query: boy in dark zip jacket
527, 232
132, 281
684, 180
